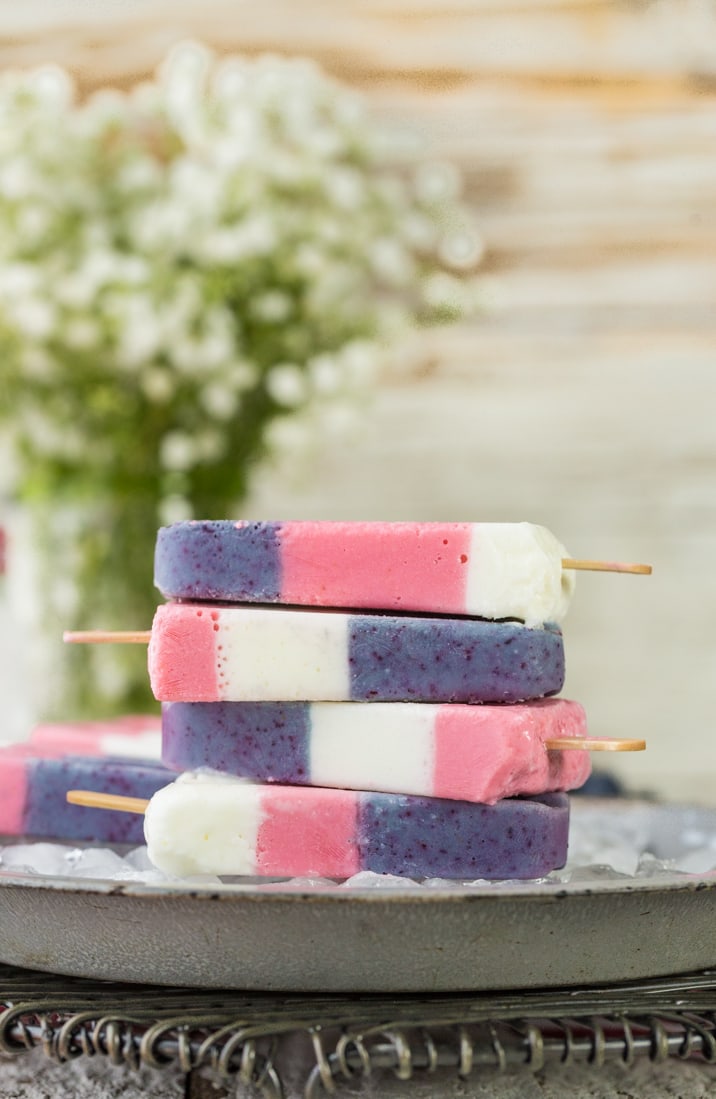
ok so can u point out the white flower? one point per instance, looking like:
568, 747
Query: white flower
437, 182
33, 222
212, 350
37, 362
133, 270
195, 185
157, 384
274, 306
291, 434
18, 280
443, 291
286, 383
242, 374
139, 334
309, 260
344, 187
325, 374
174, 509
81, 333
209, 445
165, 224
219, 400
419, 231
141, 174
177, 451
360, 361
99, 268
256, 236
53, 87
391, 261
76, 291
33, 317
461, 249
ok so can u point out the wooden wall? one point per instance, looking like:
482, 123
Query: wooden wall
584, 395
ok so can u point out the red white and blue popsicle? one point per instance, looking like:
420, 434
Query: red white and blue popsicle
469, 753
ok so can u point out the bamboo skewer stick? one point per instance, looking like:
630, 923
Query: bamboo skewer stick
594, 744
606, 566
119, 637
92, 799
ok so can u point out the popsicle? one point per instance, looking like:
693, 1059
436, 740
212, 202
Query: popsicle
209, 823
468, 753
491, 570
138, 736
33, 792
230, 653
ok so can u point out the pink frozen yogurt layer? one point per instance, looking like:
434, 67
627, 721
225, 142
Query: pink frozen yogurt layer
135, 735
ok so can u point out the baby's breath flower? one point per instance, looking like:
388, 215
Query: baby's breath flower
461, 250
437, 182
177, 451
286, 383
156, 384
219, 400
242, 374
81, 333
33, 318
360, 361
325, 374
274, 306
174, 509
391, 262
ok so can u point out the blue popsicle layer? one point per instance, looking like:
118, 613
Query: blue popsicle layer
432, 659
432, 837
48, 814
268, 741
203, 560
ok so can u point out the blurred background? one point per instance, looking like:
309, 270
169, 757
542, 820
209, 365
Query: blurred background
573, 384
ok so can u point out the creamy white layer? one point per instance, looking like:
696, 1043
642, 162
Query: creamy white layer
515, 571
372, 742
282, 655
198, 822
132, 745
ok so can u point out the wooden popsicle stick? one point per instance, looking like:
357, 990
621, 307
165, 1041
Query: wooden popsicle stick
92, 799
605, 566
121, 637
594, 744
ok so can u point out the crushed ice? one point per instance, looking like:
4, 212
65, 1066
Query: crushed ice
620, 841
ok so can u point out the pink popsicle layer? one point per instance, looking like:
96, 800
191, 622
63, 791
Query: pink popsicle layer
136, 735
313, 552
310, 830
14, 791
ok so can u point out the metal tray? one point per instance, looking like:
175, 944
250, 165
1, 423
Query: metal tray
279, 937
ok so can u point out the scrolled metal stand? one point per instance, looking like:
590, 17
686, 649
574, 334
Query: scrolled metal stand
240, 1037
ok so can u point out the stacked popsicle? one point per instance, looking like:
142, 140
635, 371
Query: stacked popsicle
117, 756
362, 696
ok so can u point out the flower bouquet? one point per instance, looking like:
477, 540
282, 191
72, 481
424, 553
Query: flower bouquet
186, 271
